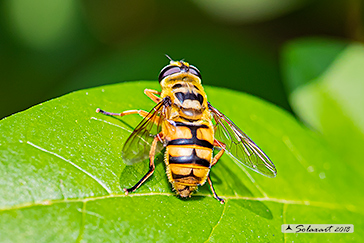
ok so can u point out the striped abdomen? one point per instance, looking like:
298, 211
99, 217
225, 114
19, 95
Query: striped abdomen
188, 155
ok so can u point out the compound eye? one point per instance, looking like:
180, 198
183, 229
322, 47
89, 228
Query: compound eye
169, 70
193, 70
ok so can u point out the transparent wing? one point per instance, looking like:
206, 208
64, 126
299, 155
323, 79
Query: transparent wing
138, 145
240, 147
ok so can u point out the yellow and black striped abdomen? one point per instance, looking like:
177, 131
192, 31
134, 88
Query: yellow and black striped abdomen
188, 156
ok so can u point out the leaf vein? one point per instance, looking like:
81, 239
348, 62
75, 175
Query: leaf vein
73, 164
111, 196
284, 220
110, 123
218, 222
83, 220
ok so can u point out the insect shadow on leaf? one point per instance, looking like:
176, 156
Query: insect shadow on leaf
256, 207
122, 121
225, 176
132, 173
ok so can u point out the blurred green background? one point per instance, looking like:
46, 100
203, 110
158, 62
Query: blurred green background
49, 48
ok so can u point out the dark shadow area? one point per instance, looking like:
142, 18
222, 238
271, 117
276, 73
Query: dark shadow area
224, 177
255, 207
131, 174
192, 198
121, 120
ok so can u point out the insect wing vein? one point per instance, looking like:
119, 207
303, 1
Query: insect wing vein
239, 146
138, 144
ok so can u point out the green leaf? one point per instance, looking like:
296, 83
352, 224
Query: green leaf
332, 100
62, 177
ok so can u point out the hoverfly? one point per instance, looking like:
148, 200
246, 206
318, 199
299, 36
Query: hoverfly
182, 122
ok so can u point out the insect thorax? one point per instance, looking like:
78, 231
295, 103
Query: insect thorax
187, 96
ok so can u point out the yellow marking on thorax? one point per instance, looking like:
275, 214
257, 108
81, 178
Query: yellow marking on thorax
185, 78
194, 104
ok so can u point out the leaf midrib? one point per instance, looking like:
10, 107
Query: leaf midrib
326, 205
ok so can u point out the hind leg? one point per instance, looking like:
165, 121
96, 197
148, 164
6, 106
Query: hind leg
214, 161
222, 201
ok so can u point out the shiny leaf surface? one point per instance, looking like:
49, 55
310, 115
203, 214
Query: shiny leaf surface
62, 177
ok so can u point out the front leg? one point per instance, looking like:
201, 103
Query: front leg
149, 92
152, 95
124, 113
142, 113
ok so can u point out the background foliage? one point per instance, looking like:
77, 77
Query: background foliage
51, 48
303, 56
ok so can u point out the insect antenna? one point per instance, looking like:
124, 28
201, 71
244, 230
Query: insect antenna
169, 57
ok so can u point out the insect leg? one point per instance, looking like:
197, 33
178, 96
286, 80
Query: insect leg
220, 153
214, 161
124, 113
152, 95
151, 166
222, 201
142, 113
